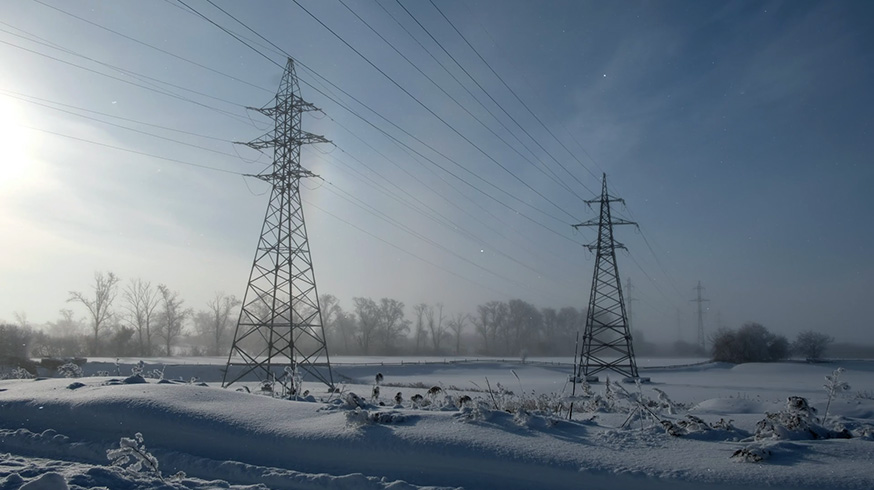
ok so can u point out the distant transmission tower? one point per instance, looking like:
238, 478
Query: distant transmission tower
630, 299
280, 336
701, 340
607, 339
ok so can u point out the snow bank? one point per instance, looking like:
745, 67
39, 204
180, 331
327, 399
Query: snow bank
230, 439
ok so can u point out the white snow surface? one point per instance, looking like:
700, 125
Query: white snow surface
55, 432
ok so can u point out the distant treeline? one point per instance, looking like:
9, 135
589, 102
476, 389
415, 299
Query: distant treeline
138, 319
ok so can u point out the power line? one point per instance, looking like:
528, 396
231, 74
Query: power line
500, 106
384, 132
518, 98
459, 104
124, 71
160, 50
431, 111
137, 152
26, 97
162, 92
128, 128
552, 174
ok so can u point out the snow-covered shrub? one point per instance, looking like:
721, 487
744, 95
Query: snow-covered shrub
354, 401
361, 417
134, 379
797, 421
133, 456
70, 370
696, 428
521, 417
433, 392
20, 373
475, 410
864, 431
751, 454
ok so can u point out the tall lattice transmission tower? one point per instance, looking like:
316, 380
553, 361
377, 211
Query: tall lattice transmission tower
607, 338
280, 337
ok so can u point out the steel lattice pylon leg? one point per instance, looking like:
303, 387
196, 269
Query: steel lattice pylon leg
280, 336
607, 341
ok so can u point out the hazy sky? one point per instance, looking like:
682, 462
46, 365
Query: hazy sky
739, 133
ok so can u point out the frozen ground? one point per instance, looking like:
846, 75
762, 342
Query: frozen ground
55, 432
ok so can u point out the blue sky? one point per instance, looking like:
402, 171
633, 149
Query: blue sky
739, 134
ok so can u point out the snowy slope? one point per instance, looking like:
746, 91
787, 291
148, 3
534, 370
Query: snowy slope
239, 438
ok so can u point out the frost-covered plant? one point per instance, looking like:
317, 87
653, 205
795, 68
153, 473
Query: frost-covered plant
833, 387
609, 395
434, 391
374, 393
157, 373
292, 382
138, 369
133, 456
70, 370
665, 401
268, 385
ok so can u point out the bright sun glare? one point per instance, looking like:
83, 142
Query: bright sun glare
17, 168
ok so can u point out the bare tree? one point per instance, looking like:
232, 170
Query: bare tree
346, 325
435, 326
333, 318
420, 332
21, 319
393, 325
491, 321
456, 325
524, 322
66, 326
172, 317
368, 322
812, 345
141, 304
220, 308
100, 306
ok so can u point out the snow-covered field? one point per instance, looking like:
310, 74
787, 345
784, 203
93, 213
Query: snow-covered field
513, 433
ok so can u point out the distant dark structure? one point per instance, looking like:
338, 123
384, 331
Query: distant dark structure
701, 339
280, 337
607, 342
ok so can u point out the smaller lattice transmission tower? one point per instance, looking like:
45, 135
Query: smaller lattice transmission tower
702, 341
280, 337
607, 342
